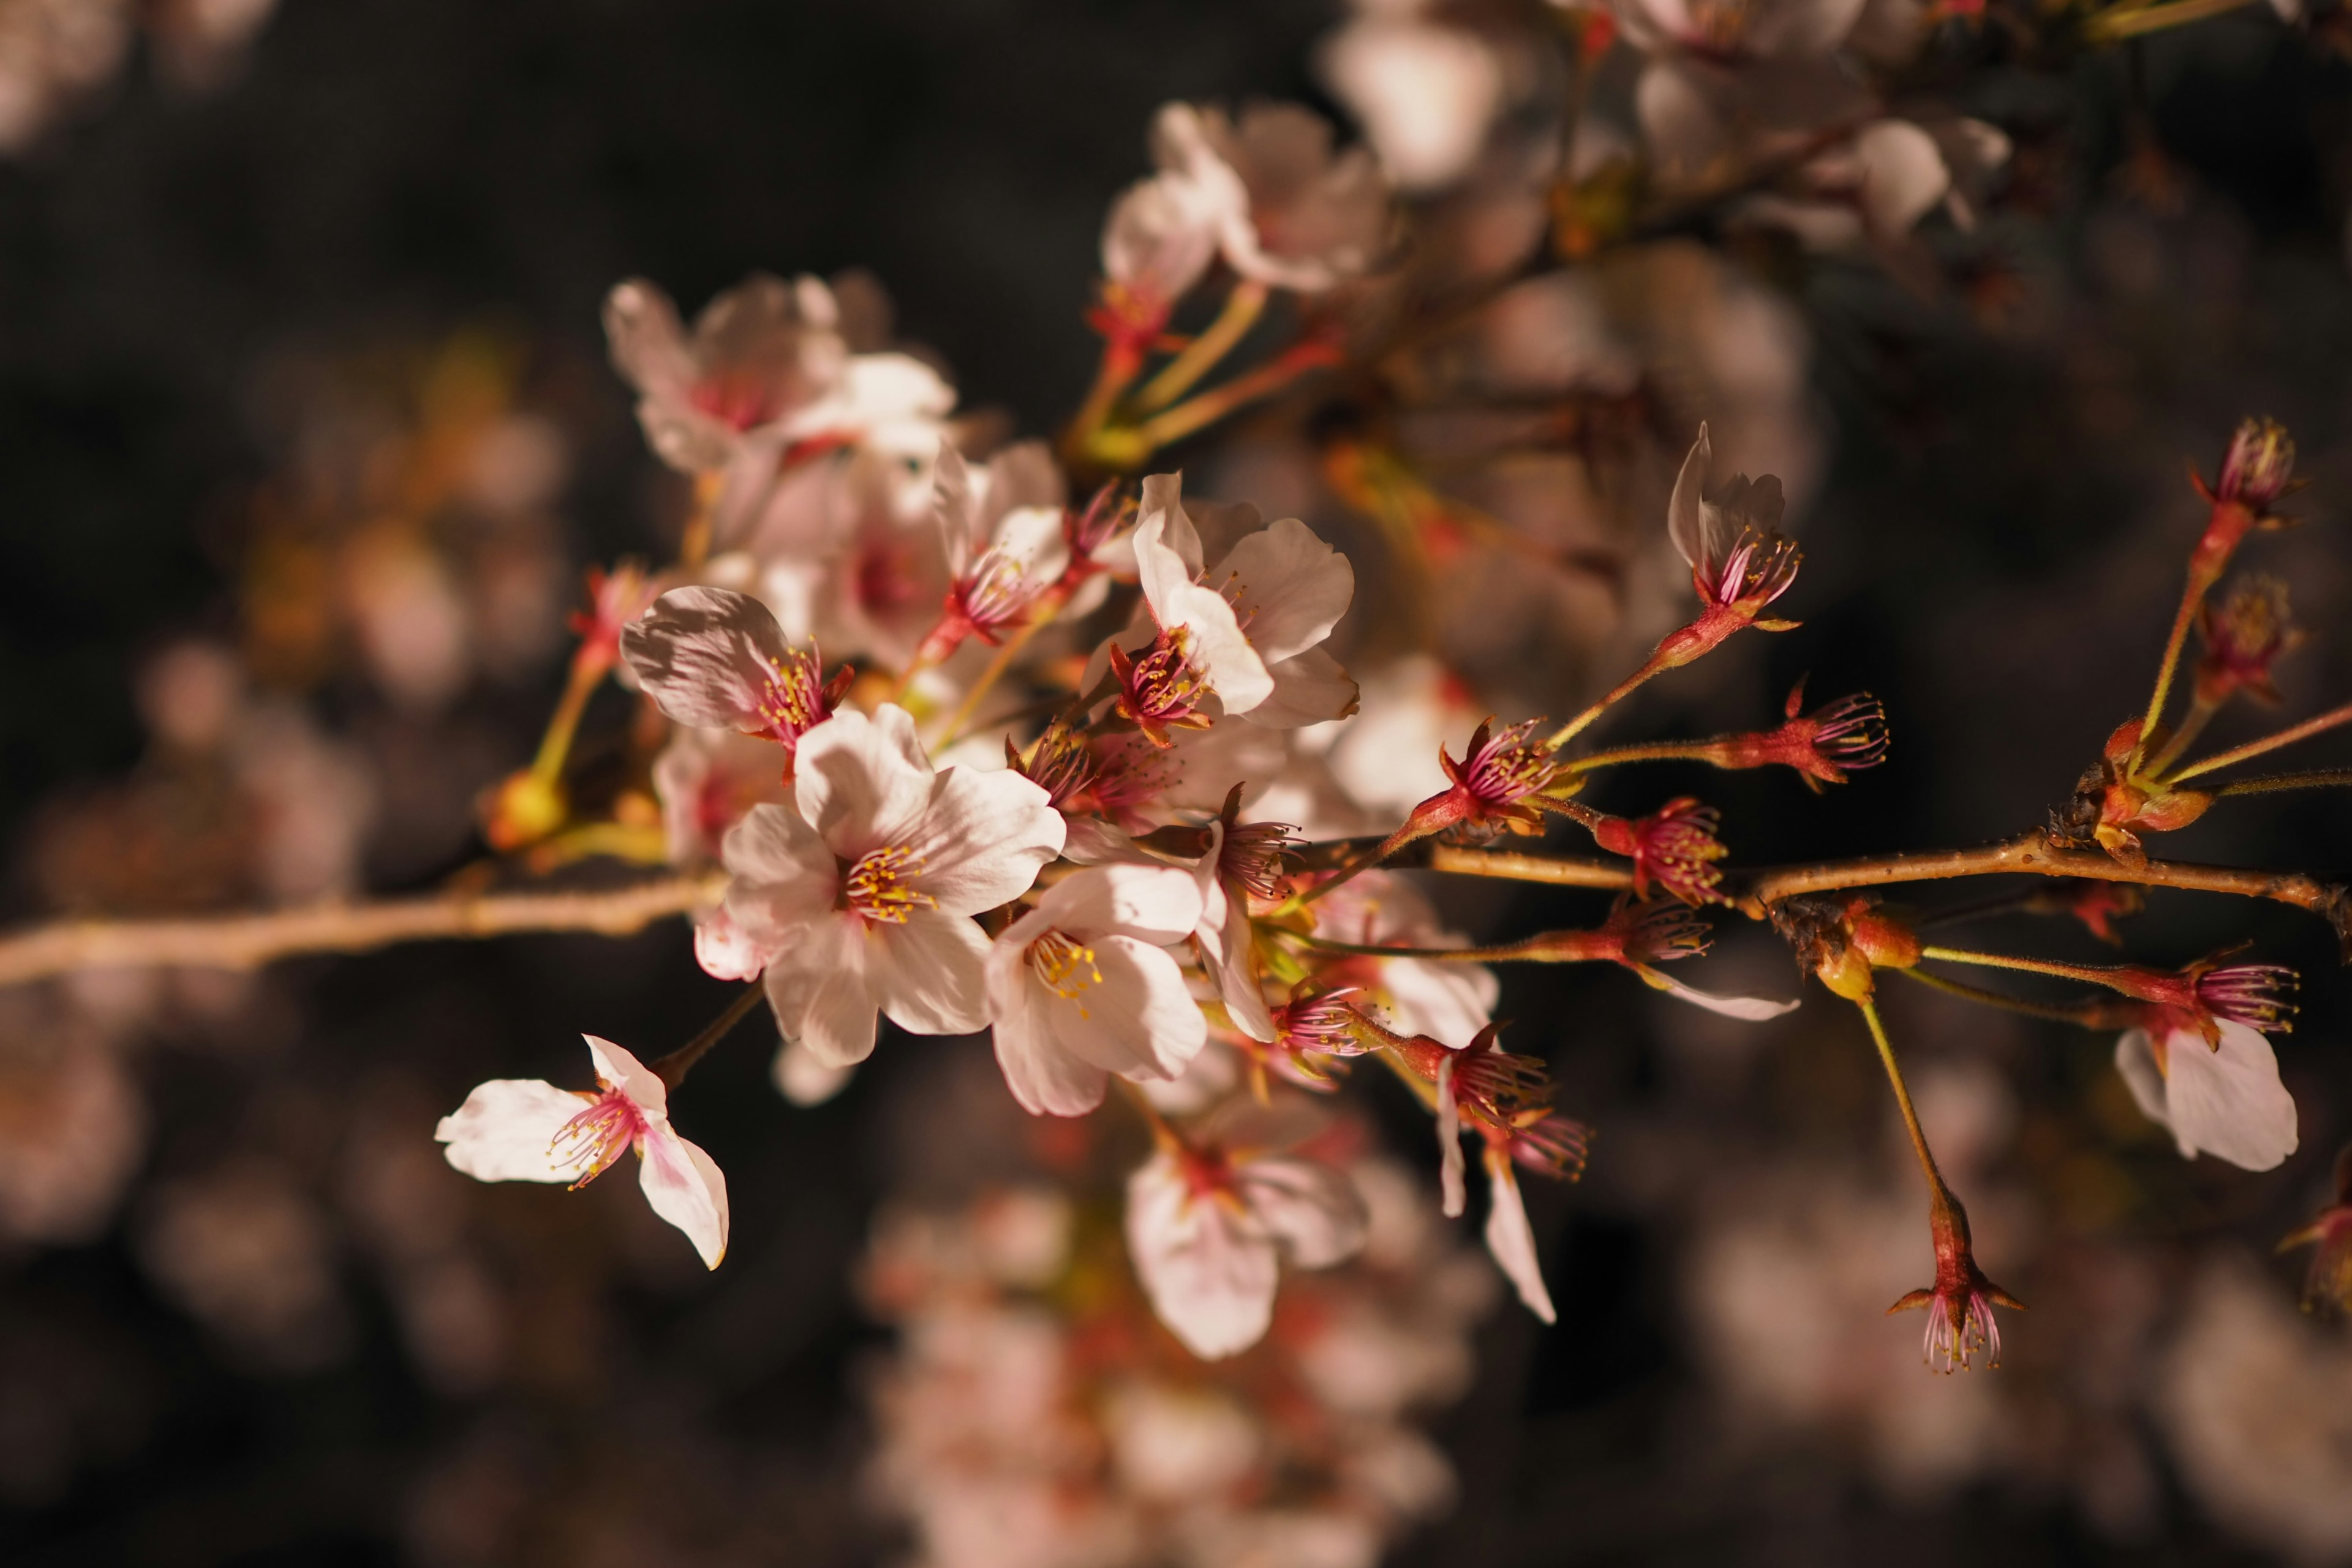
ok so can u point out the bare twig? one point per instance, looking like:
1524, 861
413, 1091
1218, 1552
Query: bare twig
249, 940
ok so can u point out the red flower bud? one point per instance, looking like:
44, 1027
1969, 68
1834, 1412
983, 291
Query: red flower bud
1959, 1306
1674, 846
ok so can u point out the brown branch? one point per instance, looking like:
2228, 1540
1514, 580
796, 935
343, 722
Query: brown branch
2033, 855
249, 940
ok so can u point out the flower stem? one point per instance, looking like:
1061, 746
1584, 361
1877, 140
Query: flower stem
1708, 751
1902, 1096
1623, 688
2093, 1014
672, 1068
2286, 737
1006, 654
2193, 724
2321, 778
1170, 425
555, 745
1241, 309
2191, 596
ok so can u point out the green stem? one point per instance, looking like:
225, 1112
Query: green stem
2252, 749
1241, 309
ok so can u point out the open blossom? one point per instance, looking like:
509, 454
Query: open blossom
759, 353
857, 897
1083, 986
2223, 1100
1289, 212
2244, 640
1248, 633
1674, 846
1959, 1305
524, 1130
1209, 1224
1003, 535
717, 659
1765, 29
705, 780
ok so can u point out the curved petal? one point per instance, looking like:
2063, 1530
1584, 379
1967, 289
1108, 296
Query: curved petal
706, 655
982, 840
2228, 1102
1448, 1001
1511, 1239
1313, 1210
927, 974
1045, 1078
2135, 1060
724, 949
1210, 1275
619, 1069
863, 783
1217, 645
1130, 1014
1287, 588
1452, 1199
1229, 958
774, 849
1685, 520
1159, 904
505, 1131
685, 1186
818, 989
1311, 688
1754, 1009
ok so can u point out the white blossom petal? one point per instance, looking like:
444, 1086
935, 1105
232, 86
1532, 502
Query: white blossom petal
1210, 1273
863, 783
1753, 1009
619, 1069
684, 1185
982, 838
818, 989
1511, 1239
1454, 1199
2226, 1101
927, 974
505, 1132
1310, 688
1286, 586
706, 655
1313, 1210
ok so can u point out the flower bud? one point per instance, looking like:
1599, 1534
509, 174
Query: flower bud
2248, 635
1959, 1306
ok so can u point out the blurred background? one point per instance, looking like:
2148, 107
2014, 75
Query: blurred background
306, 434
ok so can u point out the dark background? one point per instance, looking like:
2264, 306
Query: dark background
1994, 554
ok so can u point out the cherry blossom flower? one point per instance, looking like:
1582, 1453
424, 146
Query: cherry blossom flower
1959, 1305
1641, 936
1209, 1222
717, 659
1004, 543
2223, 1100
1511, 1238
1674, 846
2206, 994
1083, 986
1159, 238
616, 598
1824, 746
1739, 563
1290, 214
2244, 640
524, 1130
1497, 787
1248, 633
761, 354
705, 780
857, 896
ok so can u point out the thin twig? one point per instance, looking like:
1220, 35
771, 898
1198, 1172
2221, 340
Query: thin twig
249, 940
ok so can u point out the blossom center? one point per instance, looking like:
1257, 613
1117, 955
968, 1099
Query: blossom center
793, 702
1065, 964
592, 1140
881, 885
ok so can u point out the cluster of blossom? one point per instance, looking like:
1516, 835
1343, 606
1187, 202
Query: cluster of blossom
1030, 1414
967, 751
